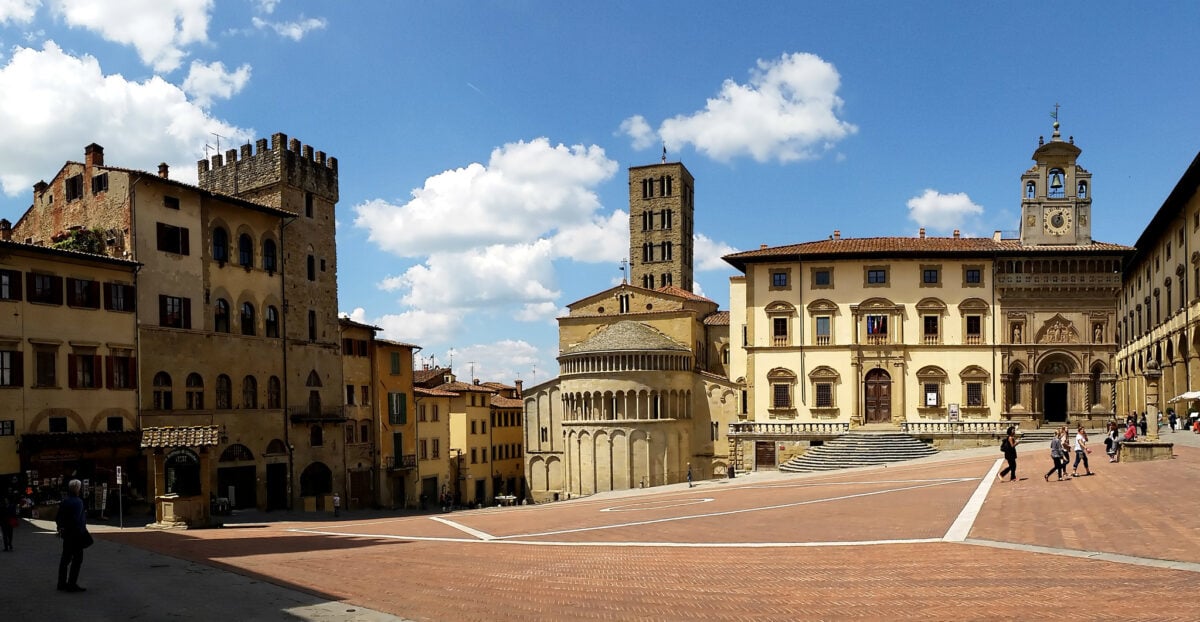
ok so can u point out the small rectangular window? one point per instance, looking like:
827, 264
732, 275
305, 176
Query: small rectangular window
930, 329
11, 362
929, 276
781, 395
350, 393
45, 288
973, 276
172, 239
10, 285
174, 312
933, 394
824, 392
877, 277
975, 394
8, 427
74, 187
118, 297
779, 279
822, 278
823, 326
83, 293
58, 424
171, 202
100, 183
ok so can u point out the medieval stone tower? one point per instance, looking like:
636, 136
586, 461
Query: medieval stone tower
296, 179
661, 206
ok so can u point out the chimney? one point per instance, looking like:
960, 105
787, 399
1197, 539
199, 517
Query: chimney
996, 236
519, 383
475, 382
6, 235
164, 170
922, 234
93, 155
762, 247
837, 234
39, 188
956, 234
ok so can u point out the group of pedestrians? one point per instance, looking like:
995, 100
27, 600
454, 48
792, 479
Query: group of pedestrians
1061, 456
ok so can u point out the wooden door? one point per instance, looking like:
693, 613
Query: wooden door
878, 392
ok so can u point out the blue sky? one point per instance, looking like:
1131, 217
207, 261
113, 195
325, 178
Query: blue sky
483, 146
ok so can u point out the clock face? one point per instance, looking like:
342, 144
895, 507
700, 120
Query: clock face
1057, 221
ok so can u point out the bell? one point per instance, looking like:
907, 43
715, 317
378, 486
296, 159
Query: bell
1056, 182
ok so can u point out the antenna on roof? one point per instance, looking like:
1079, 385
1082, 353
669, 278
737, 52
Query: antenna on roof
664, 159
472, 368
624, 262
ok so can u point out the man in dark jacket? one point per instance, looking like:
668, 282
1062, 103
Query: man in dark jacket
72, 528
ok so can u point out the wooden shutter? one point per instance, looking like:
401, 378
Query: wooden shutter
72, 364
18, 369
162, 237
184, 242
187, 311
108, 372
94, 293
403, 407
162, 310
108, 298
132, 368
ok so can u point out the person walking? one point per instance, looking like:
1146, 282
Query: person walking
1081, 452
72, 528
1056, 455
8, 519
689, 474
1009, 448
1143, 425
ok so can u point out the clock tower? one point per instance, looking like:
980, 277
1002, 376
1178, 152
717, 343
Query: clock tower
1056, 196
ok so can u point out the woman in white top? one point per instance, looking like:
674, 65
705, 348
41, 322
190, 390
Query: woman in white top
1081, 452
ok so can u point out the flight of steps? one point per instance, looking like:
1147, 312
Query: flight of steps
858, 449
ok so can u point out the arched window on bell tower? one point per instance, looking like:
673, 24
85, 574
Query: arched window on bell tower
1082, 191
1030, 190
1056, 184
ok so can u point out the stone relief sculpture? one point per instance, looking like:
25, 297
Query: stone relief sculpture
1058, 330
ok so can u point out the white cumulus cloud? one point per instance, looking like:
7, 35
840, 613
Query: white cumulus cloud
53, 104
294, 30
207, 82
501, 361
526, 189
707, 253
943, 212
416, 326
639, 130
18, 11
599, 240
788, 111
479, 277
159, 30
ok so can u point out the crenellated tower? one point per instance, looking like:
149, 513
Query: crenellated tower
298, 179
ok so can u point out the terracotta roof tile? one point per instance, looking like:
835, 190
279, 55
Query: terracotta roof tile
908, 246
463, 387
682, 293
181, 436
506, 402
433, 392
627, 335
720, 318
424, 375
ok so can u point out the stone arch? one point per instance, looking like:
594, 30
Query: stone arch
823, 305
316, 480
276, 448
41, 420
236, 452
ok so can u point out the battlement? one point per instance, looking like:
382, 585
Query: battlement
249, 172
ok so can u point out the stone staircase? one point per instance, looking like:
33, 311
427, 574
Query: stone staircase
857, 449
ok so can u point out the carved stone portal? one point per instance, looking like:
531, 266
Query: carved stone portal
1058, 330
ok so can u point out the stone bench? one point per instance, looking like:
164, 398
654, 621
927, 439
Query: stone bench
1141, 451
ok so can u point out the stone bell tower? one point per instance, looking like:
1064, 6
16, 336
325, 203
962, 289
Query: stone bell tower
1056, 196
661, 207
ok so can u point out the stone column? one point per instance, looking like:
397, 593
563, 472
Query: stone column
1153, 375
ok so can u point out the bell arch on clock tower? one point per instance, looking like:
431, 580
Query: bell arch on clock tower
661, 209
1056, 196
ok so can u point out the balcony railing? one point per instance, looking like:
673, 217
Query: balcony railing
974, 340
877, 340
779, 340
931, 340
400, 463
944, 427
784, 430
331, 414
823, 340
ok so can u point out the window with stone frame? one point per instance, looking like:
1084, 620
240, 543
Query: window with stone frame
974, 382
782, 383
824, 380
194, 392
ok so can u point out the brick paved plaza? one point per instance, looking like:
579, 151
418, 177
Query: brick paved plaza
903, 542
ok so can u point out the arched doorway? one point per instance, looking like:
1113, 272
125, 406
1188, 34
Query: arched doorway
1056, 389
183, 472
237, 477
316, 480
877, 397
